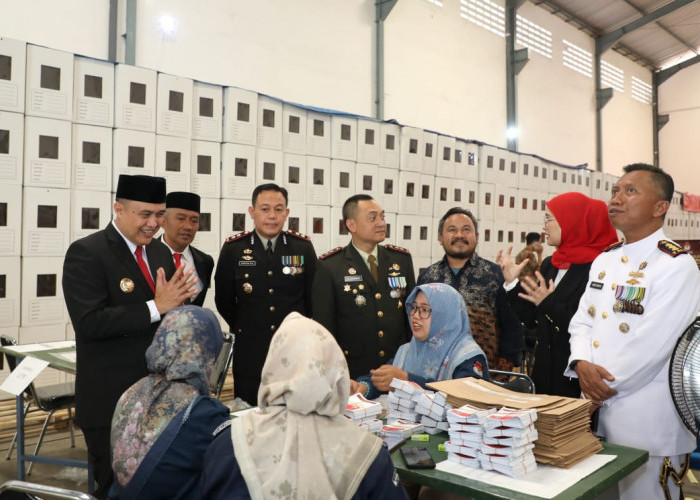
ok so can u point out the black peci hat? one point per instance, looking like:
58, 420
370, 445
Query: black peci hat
141, 188
184, 200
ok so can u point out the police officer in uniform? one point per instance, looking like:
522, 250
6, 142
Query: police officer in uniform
180, 226
262, 276
642, 294
360, 289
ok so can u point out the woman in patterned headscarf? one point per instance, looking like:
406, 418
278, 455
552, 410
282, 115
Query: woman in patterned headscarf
298, 444
163, 423
442, 347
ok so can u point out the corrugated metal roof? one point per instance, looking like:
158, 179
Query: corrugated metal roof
665, 42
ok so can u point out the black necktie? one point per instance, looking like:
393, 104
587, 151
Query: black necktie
269, 248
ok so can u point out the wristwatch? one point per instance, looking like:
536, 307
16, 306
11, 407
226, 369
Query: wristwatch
572, 365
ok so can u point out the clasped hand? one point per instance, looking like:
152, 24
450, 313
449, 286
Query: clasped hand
174, 292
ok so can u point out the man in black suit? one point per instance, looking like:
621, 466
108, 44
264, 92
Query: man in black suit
262, 276
360, 290
117, 285
180, 226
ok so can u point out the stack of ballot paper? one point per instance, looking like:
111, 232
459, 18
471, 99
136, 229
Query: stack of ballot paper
432, 408
508, 442
466, 434
401, 428
563, 430
401, 401
364, 412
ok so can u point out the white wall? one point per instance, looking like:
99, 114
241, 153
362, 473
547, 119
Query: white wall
679, 97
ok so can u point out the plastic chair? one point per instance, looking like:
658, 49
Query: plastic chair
218, 374
47, 398
521, 382
12, 490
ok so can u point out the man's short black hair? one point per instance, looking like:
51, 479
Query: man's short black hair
458, 210
270, 187
532, 237
350, 205
660, 179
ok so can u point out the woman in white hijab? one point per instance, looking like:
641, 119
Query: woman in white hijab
299, 444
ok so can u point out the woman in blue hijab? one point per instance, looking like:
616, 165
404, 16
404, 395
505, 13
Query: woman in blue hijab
163, 423
442, 347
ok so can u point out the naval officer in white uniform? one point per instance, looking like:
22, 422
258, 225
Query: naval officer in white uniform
641, 295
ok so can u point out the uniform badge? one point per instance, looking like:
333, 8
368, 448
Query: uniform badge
247, 257
360, 300
394, 294
352, 271
624, 259
247, 288
478, 369
642, 266
591, 311
395, 267
346, 288
601, 275
361, 286
624, 327
247, 251
126, 285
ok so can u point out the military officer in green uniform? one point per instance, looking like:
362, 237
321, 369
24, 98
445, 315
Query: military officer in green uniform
261, 276
359, 290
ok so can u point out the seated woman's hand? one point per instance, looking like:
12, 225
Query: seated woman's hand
356, 387
382, 376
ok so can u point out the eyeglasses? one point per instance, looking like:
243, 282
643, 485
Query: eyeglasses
548, 219
424, 312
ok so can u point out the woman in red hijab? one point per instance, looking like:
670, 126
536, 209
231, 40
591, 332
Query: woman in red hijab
579, 228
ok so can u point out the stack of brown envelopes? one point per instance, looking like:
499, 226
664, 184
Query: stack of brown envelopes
564, 436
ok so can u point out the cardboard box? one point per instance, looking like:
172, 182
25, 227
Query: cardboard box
134, 153
46, 225
90, 212
237, 171
11, 146
297, 220
411, 149
343, 138
10, 220
173, 162
342, 181
47, 152
13, 60
339, 234
368, 141
390, 146
318, 227
240, 116
409, 192
430, 153
489, 157
93, 92
269, 166
135, 98
269, 123
487, 200
318, 134
467, 160
367, 179
174, 106
208, 238
10, 291
388, 189
42, 293
487, 239
49, 83
92, 158
295, 176
294, 129
234, 218
471, 197
205, 169
446, 156
207, 112
426, 196
318, 180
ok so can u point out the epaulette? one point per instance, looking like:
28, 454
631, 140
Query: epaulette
398, 249
331, 252
237, 237
614, 246
670, 248
298, 235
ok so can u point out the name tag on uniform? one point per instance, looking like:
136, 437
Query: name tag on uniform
597, 285
352, 279
247, 263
